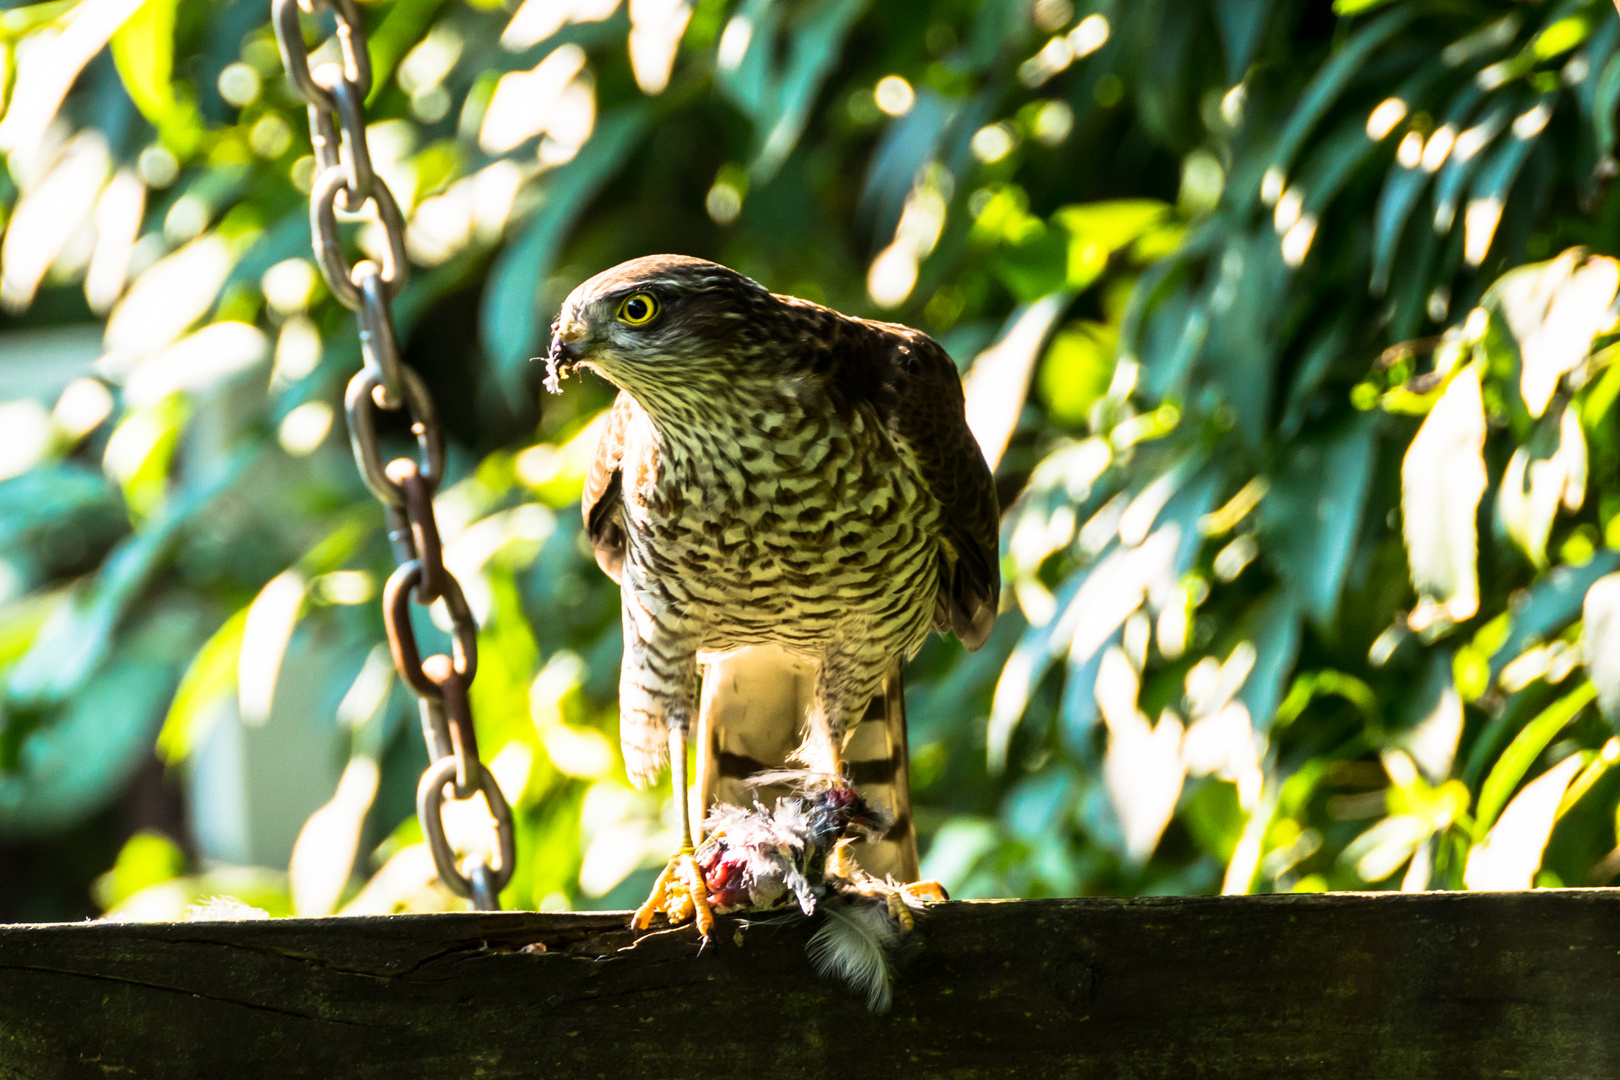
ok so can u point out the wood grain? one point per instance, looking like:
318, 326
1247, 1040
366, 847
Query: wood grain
1443, 985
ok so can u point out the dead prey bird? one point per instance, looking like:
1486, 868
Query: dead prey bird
797, 854
783, 486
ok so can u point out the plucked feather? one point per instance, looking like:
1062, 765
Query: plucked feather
855, 945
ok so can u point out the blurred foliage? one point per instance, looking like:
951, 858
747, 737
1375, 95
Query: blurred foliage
1294, 332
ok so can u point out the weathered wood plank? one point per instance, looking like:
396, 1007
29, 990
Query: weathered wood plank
1440, 985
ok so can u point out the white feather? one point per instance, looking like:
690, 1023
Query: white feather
854, 945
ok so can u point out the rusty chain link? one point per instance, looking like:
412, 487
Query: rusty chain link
344, 179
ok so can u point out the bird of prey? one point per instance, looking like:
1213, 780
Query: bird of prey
790, 499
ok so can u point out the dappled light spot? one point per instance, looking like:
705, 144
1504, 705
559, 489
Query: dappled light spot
1530, 123
993, 142
1442, 480
50, 216
288, 285
1385, 115
1438, 147
656, 27
369, 691
1288, 211
1410, 151
165, 299
734, 42
117, 223
1089, 35
84, 404
25, 436
323, 856
298, 350
1296, 242
271, 619
1142, 767
894, 95
239, 84
1511, 853
529, 103
157, 166
203, 360
425, 67
1052, 123
1479, 228
304, 428
536, 20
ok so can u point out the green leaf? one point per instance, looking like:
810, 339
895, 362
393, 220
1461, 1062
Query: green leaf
1246, 307
75, 638
1273, 625
1076, 371
1324, 89
210, 679
405, 24
1356, 7
146, 858
1490, 189
1034, 265
1522, 752
1459, 169
1553, 603
1603, 110
1242, 24
1402, 190
143, 51
1111, 225
83, 753
1560, 36
815, 50
1313, 513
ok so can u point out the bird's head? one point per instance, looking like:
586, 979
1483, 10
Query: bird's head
658, 325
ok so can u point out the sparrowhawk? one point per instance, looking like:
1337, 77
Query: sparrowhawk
791, 498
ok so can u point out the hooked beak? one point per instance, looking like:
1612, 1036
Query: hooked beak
564, 355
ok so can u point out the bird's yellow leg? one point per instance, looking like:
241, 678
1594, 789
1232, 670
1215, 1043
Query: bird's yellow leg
680, 891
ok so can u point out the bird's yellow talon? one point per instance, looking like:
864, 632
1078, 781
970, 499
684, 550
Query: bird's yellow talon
924, 892
681, 894
655, 902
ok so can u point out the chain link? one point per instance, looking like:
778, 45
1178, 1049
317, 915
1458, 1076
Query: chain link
345, 179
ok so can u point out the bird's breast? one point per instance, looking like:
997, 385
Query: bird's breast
791, 518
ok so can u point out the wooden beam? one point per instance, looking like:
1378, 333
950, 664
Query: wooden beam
1444, 985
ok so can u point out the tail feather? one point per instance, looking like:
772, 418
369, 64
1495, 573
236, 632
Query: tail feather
751, 721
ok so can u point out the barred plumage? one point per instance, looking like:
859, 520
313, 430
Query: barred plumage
774, 475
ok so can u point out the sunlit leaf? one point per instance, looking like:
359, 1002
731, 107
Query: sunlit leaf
1509, 857
1544, 475
1600, 642
1442, 479
510, 322
1523, 751
209, 680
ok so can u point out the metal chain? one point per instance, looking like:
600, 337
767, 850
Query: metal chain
335, 94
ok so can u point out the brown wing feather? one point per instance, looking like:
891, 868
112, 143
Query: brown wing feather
602, 505
915, 388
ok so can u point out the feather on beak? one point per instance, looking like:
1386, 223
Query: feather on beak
563, 357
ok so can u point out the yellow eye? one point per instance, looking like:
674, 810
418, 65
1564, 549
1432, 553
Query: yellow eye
638, 309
